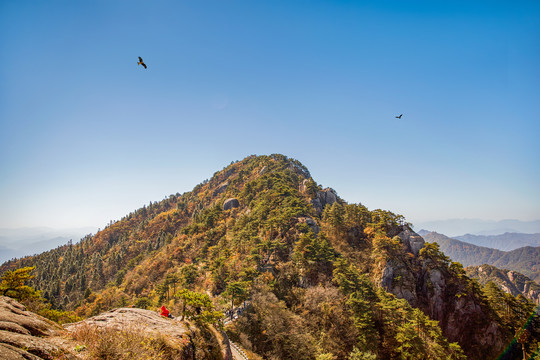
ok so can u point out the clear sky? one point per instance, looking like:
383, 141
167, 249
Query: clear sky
87, 136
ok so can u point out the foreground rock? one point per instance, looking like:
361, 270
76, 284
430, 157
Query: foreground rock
146, 320
26, 335
125, 333
171, 337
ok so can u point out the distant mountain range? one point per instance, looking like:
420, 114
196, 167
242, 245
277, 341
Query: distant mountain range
504, 242
455, 227
525, 260
19, 242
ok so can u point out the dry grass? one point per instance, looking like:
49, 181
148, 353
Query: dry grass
125, 344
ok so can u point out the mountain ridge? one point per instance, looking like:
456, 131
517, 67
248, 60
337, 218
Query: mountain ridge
283, 242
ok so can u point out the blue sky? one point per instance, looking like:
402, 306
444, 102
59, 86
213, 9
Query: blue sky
87, 136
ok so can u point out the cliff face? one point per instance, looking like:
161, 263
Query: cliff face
428, 280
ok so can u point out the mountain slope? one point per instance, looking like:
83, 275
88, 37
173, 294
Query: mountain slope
524, 260
324, 278
511, 282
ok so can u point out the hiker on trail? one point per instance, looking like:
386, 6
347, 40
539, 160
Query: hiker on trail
165, 312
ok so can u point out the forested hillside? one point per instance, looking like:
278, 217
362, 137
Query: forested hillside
324, 279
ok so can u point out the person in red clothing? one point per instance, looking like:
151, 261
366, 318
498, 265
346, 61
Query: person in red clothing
165, 312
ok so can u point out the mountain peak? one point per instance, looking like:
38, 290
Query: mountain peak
262, 163
261, 229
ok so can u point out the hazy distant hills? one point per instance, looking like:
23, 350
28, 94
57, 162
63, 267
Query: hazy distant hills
525, 260
505, 242
455, 227
15, 243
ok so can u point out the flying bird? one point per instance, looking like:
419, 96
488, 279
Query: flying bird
141, 62
397, 117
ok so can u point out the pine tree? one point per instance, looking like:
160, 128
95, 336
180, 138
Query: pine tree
13, 284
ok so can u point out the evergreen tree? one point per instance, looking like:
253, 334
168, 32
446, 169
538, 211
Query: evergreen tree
13, 284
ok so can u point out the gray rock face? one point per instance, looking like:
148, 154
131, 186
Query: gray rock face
533, 294
397, 279
230, 204
325, 197
309, 222
442, 297
221, 188
437, 284
460, 323
412, 241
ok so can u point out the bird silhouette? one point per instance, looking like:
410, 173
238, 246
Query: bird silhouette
141, 62
397, 117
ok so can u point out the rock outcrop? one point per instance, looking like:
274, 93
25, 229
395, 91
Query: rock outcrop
24, 334
149, 321
428, 284
525, 286
325, 197
230, 204
309, 222
221, 188
509, 281
181, 335
412, 241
